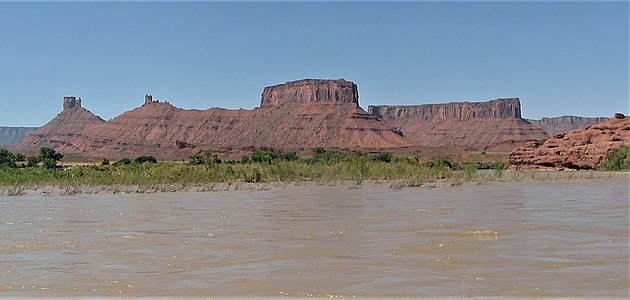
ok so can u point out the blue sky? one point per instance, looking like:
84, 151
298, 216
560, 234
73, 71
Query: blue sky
560, 58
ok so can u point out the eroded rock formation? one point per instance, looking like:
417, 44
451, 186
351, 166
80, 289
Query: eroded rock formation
62, 131
494, 125
556, 125
311, 91
71, 103
296, 117
579, 149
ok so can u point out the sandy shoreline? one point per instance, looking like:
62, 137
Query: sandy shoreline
482, 177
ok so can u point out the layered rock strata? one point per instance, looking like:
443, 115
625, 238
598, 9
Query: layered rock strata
556, 125
491, 125
580, 149
61, 131
311, 91
294, 117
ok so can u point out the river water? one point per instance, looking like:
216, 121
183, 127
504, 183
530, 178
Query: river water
525, 238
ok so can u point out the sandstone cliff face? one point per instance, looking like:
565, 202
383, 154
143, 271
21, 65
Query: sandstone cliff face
579, 149
160, 129
494, 125
310, 91
13, 135
556, 125
500, 108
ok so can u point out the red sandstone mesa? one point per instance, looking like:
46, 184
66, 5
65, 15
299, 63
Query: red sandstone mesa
456, 126
579, 149
295, 116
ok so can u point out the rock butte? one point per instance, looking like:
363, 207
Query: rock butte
491, 125
579, 149
296, 116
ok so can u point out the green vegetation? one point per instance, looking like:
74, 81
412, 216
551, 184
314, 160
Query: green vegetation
8, 159
258, 167
617, 160
47, 158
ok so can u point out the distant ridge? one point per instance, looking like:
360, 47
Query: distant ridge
458, 126
13, 135
556, 125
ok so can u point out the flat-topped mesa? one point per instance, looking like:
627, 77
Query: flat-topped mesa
311, 91
71, 102
508, 108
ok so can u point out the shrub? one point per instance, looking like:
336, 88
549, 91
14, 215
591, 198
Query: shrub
291, 156
122, 161
617, 160
145, 159
443, 162
7, 158
384, 157
32, 161
318, 150
204, 158
262, 156
328, 157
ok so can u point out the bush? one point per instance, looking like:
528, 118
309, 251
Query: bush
7, 158
617, 160
271, 156
145, 159
204, 158
122, 161
32, 161
291, 156
443, 162
384, 157
105, 162
328, 157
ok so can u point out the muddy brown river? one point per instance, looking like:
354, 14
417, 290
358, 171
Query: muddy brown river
524, 238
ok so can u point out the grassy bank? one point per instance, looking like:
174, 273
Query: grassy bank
206, 169
259, 167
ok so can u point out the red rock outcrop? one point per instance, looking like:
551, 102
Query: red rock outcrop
556, 125
287, 123
580, 149
61, 130
71, 102
493, 125
311, 91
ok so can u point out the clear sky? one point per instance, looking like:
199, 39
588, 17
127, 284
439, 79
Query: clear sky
560, 58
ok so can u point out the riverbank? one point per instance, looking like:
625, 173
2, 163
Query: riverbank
481, 177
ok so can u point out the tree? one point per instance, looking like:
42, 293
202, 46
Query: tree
7, 158
49, 157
